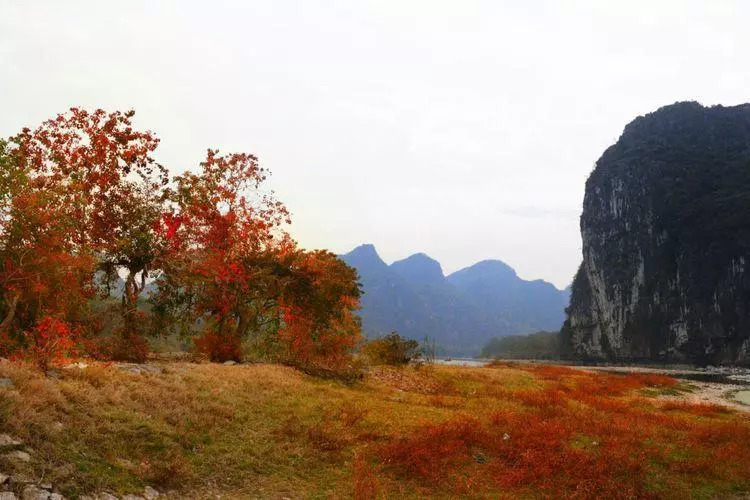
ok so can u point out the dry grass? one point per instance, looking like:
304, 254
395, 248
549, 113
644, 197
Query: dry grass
270, 431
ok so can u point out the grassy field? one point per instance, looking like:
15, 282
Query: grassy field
510, 430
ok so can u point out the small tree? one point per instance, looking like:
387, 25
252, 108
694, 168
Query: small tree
318, 301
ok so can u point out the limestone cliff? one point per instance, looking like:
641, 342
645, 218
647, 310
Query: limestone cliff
666, 242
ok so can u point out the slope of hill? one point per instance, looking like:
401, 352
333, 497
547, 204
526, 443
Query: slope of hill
461, 311
539, 345
521, 306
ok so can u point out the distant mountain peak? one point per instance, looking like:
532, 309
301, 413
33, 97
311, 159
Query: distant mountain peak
364, 255
365, 248
490, 269
420, 268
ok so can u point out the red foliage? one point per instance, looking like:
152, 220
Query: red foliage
81, 198
436, 450
230, 265
41, 274
296, 334
126, 345
88, 187
221, 257
50, 340
93, 154
365, 481
217, 347
549, 372
553, 448
318, 304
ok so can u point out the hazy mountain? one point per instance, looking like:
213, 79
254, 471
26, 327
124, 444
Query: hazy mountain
461, 311
522, 306
420, 269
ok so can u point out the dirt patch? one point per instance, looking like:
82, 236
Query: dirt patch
743, 397
710, 393
722, 392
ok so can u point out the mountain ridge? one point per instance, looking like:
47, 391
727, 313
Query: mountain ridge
461, 311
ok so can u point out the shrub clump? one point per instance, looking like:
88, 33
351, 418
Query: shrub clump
391, 350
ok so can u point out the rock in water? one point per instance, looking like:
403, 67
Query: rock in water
666, 242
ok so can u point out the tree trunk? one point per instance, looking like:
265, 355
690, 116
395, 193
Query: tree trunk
130, 296
10, 316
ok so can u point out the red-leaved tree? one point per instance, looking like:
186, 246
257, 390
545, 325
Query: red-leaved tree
318, 305
82, 202
232, 273
42, 275
218, 273
110, 190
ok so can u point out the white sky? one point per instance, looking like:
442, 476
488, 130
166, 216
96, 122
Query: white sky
461, 129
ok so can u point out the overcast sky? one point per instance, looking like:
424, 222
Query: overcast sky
461, 129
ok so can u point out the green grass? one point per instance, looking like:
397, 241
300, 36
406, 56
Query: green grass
677, 390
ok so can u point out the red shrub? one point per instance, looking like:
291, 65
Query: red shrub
127, 346
218, 347
555, 448
511, 451
436, 450
365, 482
8, 345
52, 339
